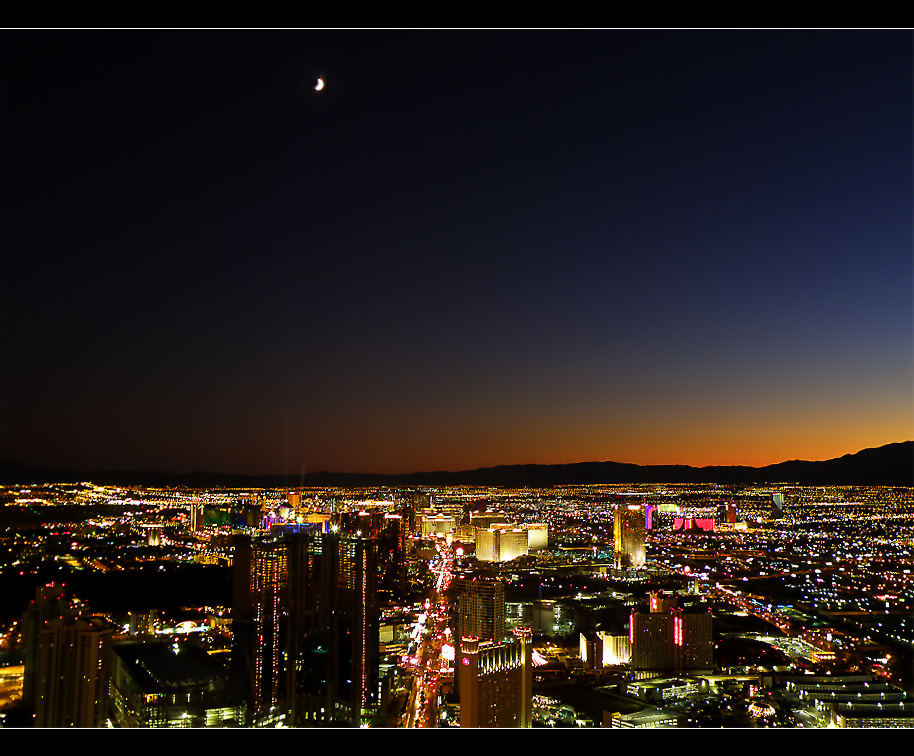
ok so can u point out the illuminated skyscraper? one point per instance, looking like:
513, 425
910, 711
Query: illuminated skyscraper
389, 536
480, 613
197, 520
777, 504
500, 544
333, 652
304, 626
628, 539
259, 605
496, 682
480, 609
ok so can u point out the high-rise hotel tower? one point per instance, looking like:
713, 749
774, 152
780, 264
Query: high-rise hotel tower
628, 539
496, 682
259, 608
334, 636
671, 637
304, 627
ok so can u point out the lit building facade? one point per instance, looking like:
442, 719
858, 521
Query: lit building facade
259, 608
496, 682
696, 520
599, 649
438, 524
628, 538
480, 609
617, 649
537, 536
500, 544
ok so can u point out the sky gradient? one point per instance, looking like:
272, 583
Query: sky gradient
469, 249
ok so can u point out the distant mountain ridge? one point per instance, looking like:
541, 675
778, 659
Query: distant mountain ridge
889, 465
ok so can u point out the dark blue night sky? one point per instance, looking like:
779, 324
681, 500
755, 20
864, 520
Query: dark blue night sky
469, 249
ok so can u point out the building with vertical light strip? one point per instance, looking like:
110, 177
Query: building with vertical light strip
258, 620
304, 627
496, 682
670, 637
333, 652
197, 516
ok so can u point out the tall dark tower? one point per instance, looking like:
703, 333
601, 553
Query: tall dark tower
671, 638
408, 512
49, 604
390, 540
304, 627
333, 629
259, 606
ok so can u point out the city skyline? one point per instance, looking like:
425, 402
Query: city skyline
754, 605
468, 249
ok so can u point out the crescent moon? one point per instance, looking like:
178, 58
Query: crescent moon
320, 85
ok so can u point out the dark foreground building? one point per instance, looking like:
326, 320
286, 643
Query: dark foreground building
672, 637
72, 672
304, 627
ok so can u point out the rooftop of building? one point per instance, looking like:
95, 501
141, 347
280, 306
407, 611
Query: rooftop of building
159, 667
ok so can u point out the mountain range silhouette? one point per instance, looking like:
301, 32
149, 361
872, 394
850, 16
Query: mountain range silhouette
889, 465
